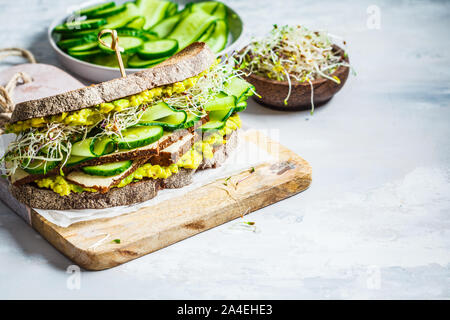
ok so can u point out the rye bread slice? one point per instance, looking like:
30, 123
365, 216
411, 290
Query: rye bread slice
188, 63
181, 179
47, 199
133, 193
173, 153
221, 152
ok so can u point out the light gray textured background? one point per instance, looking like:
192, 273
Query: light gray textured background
375, 222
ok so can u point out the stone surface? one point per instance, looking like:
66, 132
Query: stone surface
375, 221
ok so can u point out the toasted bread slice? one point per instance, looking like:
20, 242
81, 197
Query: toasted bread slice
221, 152
188, 63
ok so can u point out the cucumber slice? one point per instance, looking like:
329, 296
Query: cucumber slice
221, 115
83, 148
130, 44
74, 160
85, 54
136, 137
157, 111
240, 106
102, 146
221, 103
121, 19
172, 9
191, 28
158, 49
92, 9
92, 34
165, 27
109, 60
108, 169
239, 88
172, 122
153, 10
191, 119
84, 47
136, 23
219, 37
220, 11
207, 33
207, 6
40, 166
143, 34
163, 115
70, 43
212, 125
107, 12
80, 25
136, 62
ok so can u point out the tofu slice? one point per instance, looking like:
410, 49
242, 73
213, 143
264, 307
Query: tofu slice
102, 184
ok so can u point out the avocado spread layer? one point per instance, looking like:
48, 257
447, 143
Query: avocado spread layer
190, 160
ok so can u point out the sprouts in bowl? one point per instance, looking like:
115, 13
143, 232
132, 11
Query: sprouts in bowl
294, 67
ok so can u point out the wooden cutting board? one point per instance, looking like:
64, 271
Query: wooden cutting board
155, 227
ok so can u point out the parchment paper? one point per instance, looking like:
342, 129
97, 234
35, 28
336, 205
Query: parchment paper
245, 156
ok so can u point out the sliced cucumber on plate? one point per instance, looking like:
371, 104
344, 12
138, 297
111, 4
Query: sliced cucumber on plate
220, 11
83, 47
158, 49
136, 62
163, 29
130, 44
153, 10
70, 43
206, 6
107, 12
86, 54
217, 41
80, 25
137, 23
95, 8
123, 18
191, 28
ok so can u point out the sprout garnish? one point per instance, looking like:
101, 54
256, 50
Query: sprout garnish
292, 54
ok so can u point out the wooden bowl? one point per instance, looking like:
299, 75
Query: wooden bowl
273, 92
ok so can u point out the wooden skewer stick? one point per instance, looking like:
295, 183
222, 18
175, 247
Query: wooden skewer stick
114, 46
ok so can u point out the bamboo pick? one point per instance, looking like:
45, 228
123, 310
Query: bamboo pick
114, 46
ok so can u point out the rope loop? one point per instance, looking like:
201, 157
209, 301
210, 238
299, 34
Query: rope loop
6, 101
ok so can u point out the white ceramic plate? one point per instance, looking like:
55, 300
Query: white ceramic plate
97, 73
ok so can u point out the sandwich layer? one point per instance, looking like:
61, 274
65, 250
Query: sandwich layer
131, 193
169, 138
